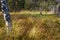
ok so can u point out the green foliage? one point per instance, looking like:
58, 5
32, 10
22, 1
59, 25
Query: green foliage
1, 22
17, 5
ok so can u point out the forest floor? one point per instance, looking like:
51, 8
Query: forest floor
31, 27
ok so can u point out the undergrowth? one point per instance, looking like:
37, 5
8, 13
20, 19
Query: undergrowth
32, 27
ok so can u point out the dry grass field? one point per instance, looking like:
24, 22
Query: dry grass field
32, 27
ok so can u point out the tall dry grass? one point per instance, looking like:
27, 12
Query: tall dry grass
28, 27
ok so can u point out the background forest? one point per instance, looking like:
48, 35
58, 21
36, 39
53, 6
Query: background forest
17, 5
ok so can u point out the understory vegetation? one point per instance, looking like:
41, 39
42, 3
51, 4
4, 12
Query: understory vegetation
32, 27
